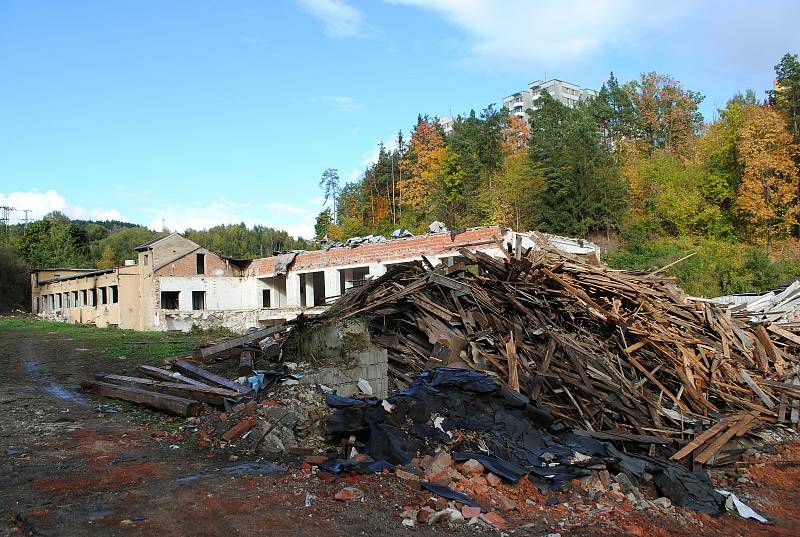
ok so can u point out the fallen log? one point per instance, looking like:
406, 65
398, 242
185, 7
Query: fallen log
170, 376
169, 403
207, 394
191, 369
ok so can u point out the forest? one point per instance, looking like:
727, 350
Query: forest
636, 169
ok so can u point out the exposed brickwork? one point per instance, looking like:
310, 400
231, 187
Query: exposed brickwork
387, 251
187, 266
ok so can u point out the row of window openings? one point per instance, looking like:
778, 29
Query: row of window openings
85, 297
170, 300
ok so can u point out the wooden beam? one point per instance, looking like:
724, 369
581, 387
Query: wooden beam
756, 389
794, 338
191, 369
160, 401
700, 439
206, 394
205, 353
169, 376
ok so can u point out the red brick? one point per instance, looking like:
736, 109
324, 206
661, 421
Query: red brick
470, 512
239, 429
495, 520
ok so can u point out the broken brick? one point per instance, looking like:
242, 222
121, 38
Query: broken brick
493, 479
239, 429
349, 494
470, 512
472, 468
495, 520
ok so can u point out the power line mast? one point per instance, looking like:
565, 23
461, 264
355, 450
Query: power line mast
5, 211
26, 211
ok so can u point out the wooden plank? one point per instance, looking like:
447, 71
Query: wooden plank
548, 356
205, 353
766, 342
206, 394
170, 376
758, 391
700, 439
785, 334
720, 441
191, 369
511, 357
160, 401
450, 283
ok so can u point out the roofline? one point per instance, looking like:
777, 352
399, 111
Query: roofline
34, 271
149, 244
95, 272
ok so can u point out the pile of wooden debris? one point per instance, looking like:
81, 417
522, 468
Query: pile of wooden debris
620, 353
184, 386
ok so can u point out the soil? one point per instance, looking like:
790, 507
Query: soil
69, 468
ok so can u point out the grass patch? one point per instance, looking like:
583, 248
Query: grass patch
145, 347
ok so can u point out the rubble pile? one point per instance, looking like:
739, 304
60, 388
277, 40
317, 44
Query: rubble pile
620, 353
452, 415
291, 419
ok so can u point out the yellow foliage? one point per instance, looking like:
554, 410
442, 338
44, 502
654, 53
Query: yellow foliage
767, 196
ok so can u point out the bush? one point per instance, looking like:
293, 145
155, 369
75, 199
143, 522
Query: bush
718, 267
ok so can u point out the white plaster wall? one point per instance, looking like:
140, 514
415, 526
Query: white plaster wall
222, 293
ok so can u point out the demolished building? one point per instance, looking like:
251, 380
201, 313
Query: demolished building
176, 284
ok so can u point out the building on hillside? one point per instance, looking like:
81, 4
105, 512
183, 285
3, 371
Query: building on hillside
175, 284
566, 92
447, 123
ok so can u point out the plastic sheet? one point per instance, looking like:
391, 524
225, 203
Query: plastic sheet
513, 430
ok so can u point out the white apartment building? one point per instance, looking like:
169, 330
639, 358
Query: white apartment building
566, 92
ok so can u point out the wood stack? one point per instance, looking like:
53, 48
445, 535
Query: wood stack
180, 391
604, 350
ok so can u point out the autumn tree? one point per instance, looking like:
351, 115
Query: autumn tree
767, 195
423, 164
667, 116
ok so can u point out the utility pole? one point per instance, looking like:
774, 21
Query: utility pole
26, 211
5, 211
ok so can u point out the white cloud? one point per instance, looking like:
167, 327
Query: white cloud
343, 103
297, 221
340, 18
285, 208
524, 32
40, 203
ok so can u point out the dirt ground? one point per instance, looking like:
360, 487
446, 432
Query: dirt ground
68, 468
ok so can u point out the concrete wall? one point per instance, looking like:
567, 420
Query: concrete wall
90, 291
340, 354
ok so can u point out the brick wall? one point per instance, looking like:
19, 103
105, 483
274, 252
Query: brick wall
187, 266
437, 244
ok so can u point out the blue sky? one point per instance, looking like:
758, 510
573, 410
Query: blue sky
196, 113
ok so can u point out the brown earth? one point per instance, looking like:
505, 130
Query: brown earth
69, 469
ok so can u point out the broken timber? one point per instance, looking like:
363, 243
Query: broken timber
206, 394
205, 353
170, 376
190, 368
169, 403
